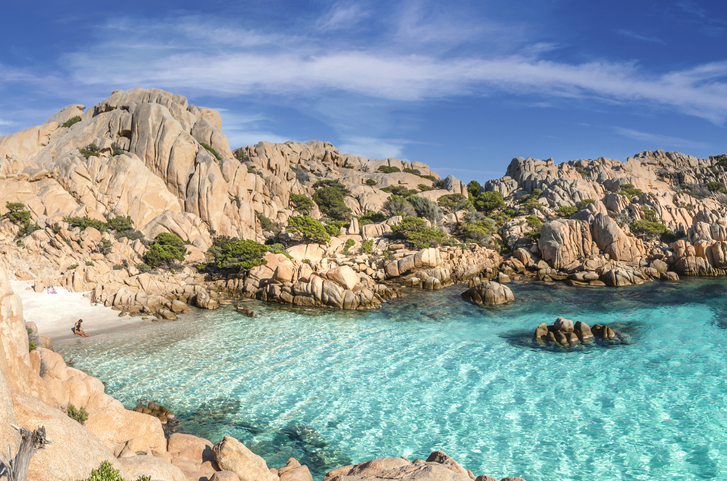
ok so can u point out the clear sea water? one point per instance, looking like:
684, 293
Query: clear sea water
430, 371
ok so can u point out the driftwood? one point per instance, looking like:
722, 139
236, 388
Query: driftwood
16, 469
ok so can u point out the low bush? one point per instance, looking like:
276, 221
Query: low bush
85, 222
367, 246
241, 154
237, 254
716, 187
388, 170
309, 229
399, 190
478, 231
90, 263
414, 230
106, 472
396, 205
426, 208
370, 182
78, 415
412, 171
72, 121
455, 203
424, 188
72, 266
211, 150
566, 211
268, 225
329, 196
630, 191
371, 218
669, 237
31, 346
166, 250
143, 268
349, 243
333, 230
91, 150
19, 215
648, 229
582, 171
301, 203
585, 202
116, 149
488, 202
533, 222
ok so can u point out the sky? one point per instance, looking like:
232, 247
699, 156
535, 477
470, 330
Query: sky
463, 86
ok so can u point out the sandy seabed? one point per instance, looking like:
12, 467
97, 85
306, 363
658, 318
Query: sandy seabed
55, 314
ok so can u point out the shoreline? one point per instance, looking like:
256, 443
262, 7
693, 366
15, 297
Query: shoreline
55, 314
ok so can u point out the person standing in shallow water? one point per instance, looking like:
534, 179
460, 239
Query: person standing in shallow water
78, 330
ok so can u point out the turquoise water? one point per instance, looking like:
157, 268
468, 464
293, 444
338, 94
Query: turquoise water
430, 371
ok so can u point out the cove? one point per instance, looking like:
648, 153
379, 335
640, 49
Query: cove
431, 371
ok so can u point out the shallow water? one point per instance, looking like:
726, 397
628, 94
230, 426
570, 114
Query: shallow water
430, 371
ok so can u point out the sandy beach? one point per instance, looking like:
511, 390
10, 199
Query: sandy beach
55, 314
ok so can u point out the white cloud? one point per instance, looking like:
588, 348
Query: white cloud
645, 38
254, 63
247, 129
370, 147
342, 15
660, 141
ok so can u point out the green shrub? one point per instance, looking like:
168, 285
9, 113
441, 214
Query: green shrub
585, 202
118, 267
309, 229
17, 214
716, 187
370, 182
533, 234
85, 222
268, 225
414, 230
566, 211
371, 218
106, 472
426, 208
424, 188
241, 154
349, 243
430, 177
488, 202
31, 346
72, 266
478, 231
396, 205
412, 171
455, 203
582, 171
211, 150
143, 268
388, 170
399, 190
648, 229
104, 247
333, 230
329, 196
301, 203
669, 237
629, 190
237, 254
530, 203
90, 263
166, 250
116, 149
367, 246
79, 415
533, 222
71, 121
120, 223
473, 189
91, 150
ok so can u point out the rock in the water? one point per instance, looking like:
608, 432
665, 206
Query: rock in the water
583, 331
232, 455
489, 292
563, 324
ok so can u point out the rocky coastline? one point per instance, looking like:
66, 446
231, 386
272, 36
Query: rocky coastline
140, 202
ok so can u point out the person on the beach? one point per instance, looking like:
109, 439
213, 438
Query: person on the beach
78, 330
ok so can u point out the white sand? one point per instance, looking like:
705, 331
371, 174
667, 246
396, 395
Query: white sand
55, 314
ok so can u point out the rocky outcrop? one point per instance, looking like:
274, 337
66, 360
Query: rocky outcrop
437, 467
489, 292
232, 455
564, 333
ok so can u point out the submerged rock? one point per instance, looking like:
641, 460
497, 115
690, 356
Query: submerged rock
489, 292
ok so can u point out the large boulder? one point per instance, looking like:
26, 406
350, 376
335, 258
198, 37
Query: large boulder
157, 469
489, 292
232, 455
75, 451
564, 241
613, 241
116, 426
343, 276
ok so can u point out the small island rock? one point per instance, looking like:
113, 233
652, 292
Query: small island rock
489, 292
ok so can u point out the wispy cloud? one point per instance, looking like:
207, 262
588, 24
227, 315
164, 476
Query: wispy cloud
637, 36
341, 15
660, 141
370, 147
243, 130
255, 63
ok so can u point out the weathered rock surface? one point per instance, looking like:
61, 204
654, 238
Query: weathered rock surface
489, 292
231, 455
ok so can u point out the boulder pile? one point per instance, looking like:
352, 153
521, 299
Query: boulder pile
489, 292
564, 332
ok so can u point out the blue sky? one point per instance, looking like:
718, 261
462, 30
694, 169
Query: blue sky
463, 86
